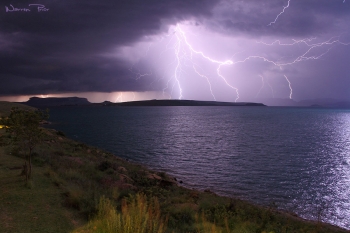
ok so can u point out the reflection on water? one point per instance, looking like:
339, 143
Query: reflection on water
298, 158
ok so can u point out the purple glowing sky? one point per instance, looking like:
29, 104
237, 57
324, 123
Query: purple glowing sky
204, 50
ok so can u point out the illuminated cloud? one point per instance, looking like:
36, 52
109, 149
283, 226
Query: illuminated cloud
192, 62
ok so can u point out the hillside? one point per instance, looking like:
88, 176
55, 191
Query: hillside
5, 107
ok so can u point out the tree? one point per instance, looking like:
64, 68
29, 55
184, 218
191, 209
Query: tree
24, 125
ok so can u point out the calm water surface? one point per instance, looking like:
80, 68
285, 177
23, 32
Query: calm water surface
298, 158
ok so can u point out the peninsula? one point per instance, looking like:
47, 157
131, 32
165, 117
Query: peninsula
184, 103
77, 101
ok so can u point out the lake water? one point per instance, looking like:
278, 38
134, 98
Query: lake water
297, 158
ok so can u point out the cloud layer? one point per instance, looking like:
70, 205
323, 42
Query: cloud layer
91, 46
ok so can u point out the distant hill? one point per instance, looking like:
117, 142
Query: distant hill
180, 103
77, 101
329, 103
47, 102
279, 102
341, 104
326, 103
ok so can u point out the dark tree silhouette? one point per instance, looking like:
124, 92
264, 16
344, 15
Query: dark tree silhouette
24, 125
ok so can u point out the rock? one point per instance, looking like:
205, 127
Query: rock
122, 169
209, 191
154, 177
167, 183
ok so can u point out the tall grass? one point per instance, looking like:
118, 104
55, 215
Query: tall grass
137, 216
203, 226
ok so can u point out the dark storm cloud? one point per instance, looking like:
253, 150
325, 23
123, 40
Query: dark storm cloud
301, 19
60, 50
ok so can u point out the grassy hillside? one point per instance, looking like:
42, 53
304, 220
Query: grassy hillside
5, 107
35, 209
80, 188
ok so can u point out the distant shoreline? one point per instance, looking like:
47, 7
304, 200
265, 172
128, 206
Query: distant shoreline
76, 101
183, 103
273, 102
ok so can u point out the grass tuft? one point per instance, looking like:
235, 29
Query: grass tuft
137, 216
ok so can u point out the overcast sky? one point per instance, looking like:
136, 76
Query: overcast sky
123, 50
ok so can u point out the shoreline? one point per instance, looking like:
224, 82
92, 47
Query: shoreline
159, 183
70, 177
189, 186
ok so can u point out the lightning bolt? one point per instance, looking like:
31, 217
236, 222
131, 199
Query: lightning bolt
120, 97
136, 71
165, 88
182, 39
211, 91
273, 94
304, 57
185, 57
263, 84
290, 87
178, 65
229, 62
278, 42
138, 74
284, 8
